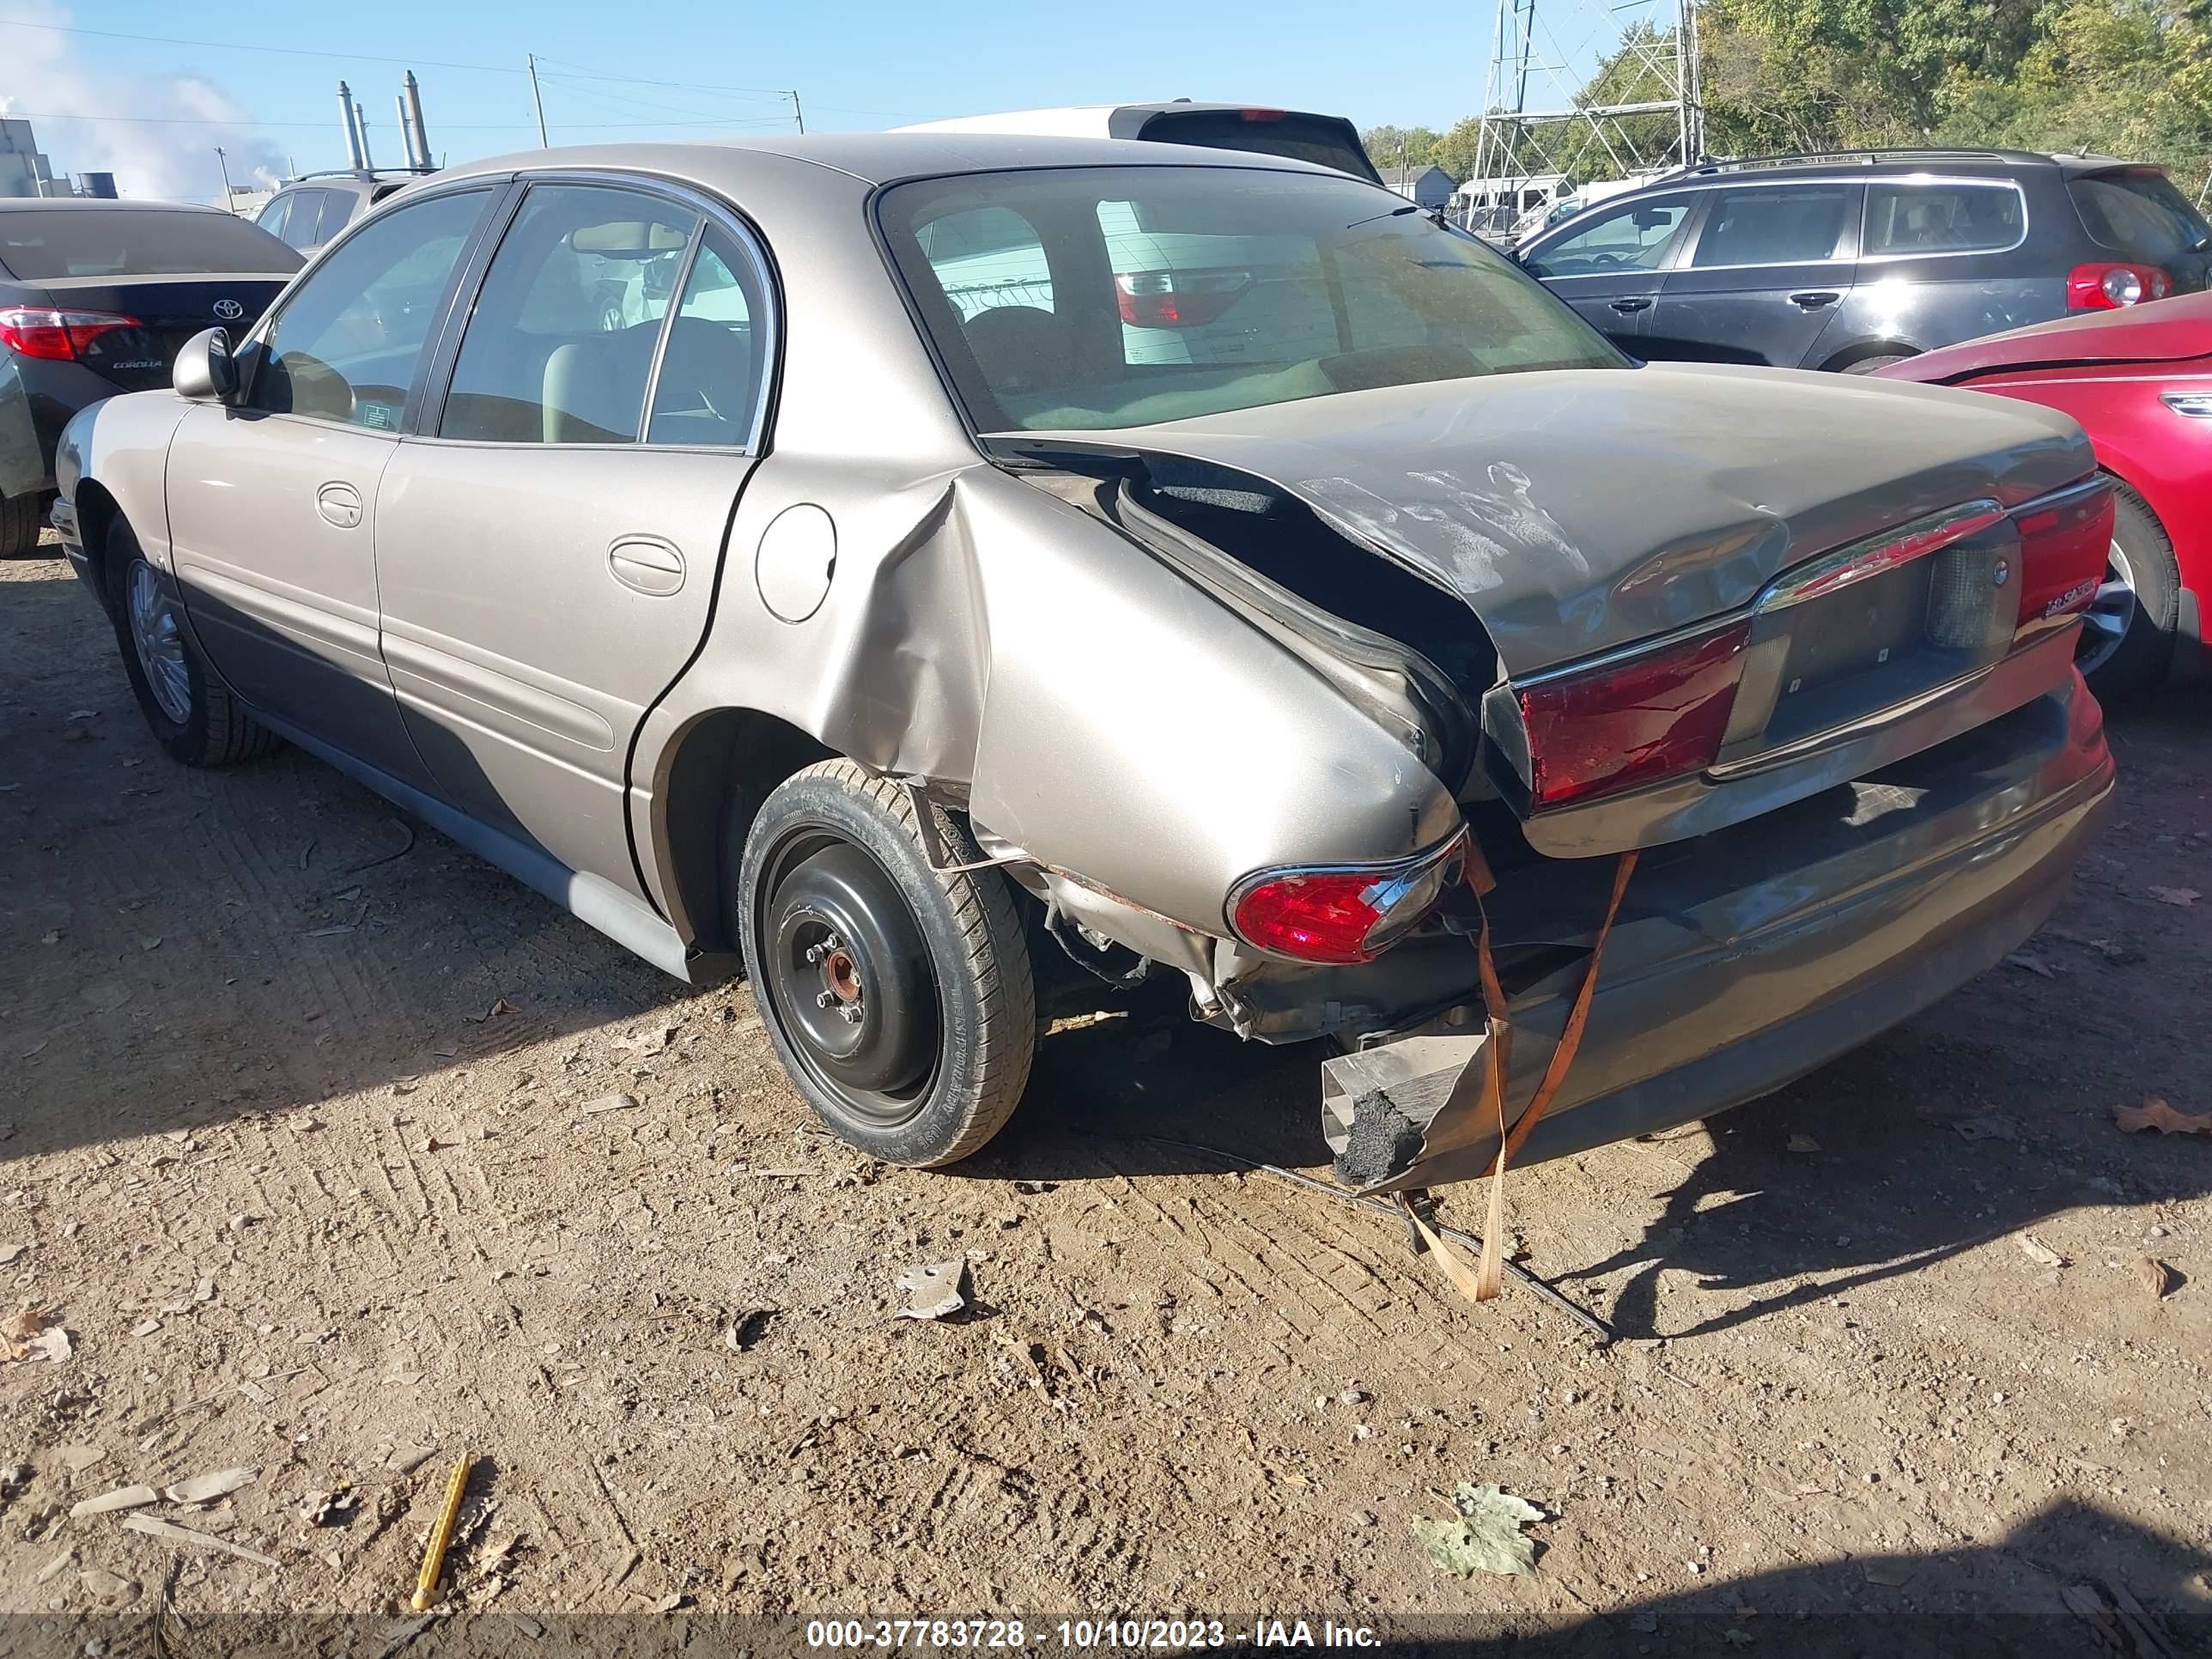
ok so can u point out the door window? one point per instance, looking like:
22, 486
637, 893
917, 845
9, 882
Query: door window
1631, 237
1773, 224
338, 207
1941, 218
348, 344
560, 346
711, 372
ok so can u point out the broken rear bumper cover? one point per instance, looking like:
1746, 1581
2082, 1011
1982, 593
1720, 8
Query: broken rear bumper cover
1744, 959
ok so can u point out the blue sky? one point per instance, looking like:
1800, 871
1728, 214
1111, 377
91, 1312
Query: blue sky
856, 65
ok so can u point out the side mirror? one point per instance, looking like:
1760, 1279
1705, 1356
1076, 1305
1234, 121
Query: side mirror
204, 371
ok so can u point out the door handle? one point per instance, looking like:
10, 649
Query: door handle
1816, 299
339, 504
1630, 305
647, 564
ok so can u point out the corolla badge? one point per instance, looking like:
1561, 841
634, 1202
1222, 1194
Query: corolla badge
229, 310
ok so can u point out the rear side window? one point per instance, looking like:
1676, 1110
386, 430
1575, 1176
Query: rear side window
711, 370
303, 210
1631, 237
337, 209
1908, 218
560, 343
1773, 224
36, 246
1320, 139
2139, 215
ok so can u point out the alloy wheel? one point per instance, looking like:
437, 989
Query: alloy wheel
2110, 615
160, 642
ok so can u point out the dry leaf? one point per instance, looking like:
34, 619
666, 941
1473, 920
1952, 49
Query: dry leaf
2174, 895
2033, 964
933, 1290
2157, 1278
1803, 1144
2155, 1113
2037, 1252
1484, 1535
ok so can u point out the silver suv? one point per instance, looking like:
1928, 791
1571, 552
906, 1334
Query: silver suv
313, 209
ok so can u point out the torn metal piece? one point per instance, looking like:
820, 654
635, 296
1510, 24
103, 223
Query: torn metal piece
929, 829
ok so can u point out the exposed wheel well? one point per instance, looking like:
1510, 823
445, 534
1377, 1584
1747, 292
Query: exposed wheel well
1858, 354
95, 511
724, 765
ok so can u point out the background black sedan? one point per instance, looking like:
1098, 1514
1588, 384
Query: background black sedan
96, 297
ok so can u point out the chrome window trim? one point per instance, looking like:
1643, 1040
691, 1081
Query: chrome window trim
1913, 180
1918, 181
2189, 405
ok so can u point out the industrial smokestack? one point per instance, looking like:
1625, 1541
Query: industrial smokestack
360, 122
350, 110
406, 132
418, 140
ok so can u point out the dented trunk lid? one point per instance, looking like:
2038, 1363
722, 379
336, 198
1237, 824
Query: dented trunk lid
1580, 511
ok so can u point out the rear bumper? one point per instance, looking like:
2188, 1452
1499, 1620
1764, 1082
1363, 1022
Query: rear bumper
1744, 960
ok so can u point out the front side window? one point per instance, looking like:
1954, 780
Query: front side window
560, 344
1772, 224
1909, 218
1092, 298
1634, 237
348, 344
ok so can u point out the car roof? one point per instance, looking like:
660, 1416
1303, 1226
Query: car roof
1069, 120
82, 203
878, 158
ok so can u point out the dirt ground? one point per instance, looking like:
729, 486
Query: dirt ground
296, 1111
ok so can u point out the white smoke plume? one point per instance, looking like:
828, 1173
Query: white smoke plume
156, 134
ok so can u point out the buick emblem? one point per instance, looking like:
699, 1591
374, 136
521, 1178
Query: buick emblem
229, 310
2002, 573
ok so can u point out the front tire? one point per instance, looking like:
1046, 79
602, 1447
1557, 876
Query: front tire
2127, 635
899, 998
193, 715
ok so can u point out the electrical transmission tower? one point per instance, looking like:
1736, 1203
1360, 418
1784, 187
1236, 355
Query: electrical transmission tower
1547, 110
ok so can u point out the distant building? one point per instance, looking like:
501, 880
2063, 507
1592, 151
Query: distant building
1428, 187
24, 169
100, 186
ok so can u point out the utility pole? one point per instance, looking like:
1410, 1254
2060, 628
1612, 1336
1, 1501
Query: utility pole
797, 113
224, 161
538, 101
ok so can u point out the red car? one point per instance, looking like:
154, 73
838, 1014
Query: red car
2139, 380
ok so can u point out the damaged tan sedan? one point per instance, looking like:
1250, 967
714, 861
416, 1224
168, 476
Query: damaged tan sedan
940, 569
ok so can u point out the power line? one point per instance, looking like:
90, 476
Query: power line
443, 126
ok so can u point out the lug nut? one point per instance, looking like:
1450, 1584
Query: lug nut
825, 1000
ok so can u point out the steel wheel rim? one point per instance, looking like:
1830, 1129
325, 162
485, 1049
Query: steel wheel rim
160, 642
2110, 615
810, 949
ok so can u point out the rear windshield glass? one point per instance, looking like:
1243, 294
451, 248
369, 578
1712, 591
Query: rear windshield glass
2139, 214
1325, 141
121, 242
1091, 298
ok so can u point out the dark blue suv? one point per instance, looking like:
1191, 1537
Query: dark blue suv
1851, 261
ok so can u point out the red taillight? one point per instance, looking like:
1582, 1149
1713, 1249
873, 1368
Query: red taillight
1344, 915
2063, 552
1658, 714
2108, 285
1178, 299
62, 335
